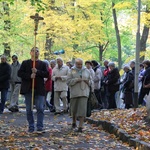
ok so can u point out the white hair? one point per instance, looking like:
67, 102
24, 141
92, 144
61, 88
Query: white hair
59, 58
4, 56
79, 59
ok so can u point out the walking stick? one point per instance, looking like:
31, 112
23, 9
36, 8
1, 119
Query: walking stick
36, 21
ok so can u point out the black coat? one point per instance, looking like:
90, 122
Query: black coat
128, 82
25, 73
113, 80
5, 73
127, 88
146, 80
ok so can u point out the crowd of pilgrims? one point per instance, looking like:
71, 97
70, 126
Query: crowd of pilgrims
111, 89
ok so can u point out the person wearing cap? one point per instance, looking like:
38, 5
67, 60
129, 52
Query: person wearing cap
5, 72
15, 84
27, 73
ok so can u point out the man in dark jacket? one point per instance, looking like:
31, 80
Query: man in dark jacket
145, 81
5, 72
28, 73
112, 83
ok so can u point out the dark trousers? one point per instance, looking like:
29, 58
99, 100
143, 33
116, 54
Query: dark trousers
98, 95
3, 99
112, 100
104, 93
52, 96
142, 95
68, 95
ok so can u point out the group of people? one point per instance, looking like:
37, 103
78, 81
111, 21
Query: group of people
70, 84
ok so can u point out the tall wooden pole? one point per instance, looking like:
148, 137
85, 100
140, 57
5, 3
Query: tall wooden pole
137, 57
36, 21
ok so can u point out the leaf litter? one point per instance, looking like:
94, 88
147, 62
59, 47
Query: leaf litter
59, 135
131, 121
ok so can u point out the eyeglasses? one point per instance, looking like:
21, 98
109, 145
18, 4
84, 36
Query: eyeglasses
36, 51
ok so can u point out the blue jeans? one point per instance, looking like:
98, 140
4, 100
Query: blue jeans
39, 104
3, 99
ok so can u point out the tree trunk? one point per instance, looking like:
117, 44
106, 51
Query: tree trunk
147, 98
48, 47
144, 37
73, 3
102, 48
7, 26
101, 52
117, 36
143, 42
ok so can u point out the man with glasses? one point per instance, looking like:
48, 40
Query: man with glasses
27, 73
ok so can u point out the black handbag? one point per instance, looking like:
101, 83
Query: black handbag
88, 113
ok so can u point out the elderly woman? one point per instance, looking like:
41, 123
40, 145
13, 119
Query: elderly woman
48, 86
97, 81
127, 87
112, 84
79, 81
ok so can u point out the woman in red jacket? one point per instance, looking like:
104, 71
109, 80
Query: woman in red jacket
48, 86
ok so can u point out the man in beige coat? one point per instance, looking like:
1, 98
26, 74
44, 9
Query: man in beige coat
59, 76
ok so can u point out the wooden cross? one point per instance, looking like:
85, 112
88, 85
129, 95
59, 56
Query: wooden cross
36, 21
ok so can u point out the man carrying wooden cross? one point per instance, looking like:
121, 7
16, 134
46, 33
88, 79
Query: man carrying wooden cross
28, 73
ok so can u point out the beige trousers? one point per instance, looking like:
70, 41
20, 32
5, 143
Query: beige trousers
63, 96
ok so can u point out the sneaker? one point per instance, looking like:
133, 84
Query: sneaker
13, 109
40, 130
31, 130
